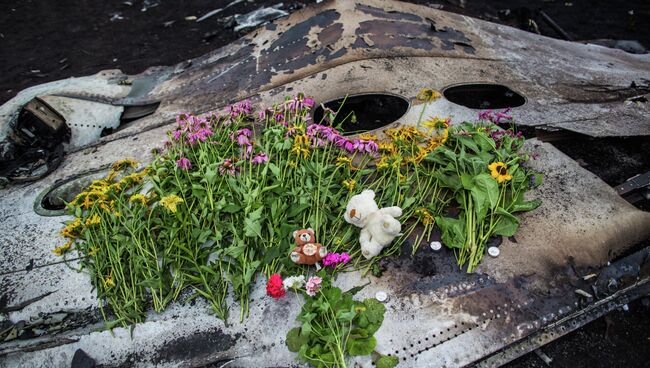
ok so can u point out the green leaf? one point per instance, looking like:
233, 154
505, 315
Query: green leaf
274, 169
408, 202
526, 206
466, 180
252, 226
507, 224
293, 340
365, 346
453, 231
231, 208
385, 361
305, 330
489, 186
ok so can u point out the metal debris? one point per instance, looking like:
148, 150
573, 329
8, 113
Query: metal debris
217, 11
583, 293
259, 16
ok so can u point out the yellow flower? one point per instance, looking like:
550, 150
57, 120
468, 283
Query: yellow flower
92, 251
138, 198
350, 184
368, 137
61, 250
124, 164
170, 202
117, 214
425, 216
428, 95
93, 220
387, 146
405, 133
499, 171
73, 229
343, 161
383, 163
436, 123
108, 280
292, 163
301, 140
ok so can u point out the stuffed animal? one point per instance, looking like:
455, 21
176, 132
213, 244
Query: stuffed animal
307, 251
378, 226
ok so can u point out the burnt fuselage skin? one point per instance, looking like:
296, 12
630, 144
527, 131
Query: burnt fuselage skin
437, 315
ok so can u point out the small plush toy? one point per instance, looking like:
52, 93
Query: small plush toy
307, 251
378, 226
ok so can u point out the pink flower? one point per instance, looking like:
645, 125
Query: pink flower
177, 134
260, 158
247, 151
184, 164
242, 136
334, 259
309, 102
227, 167
313, 285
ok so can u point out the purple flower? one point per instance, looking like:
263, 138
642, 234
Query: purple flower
334, 259
247, 151
227, 167
242, 136
309, 102
184, 164
177, 134
260, 158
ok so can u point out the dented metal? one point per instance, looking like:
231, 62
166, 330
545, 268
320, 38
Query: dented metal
436, 314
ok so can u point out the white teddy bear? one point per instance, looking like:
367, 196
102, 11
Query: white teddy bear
378, 226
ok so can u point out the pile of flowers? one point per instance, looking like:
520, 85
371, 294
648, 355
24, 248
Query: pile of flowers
218, 205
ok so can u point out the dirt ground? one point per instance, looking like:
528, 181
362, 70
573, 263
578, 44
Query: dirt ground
44, 40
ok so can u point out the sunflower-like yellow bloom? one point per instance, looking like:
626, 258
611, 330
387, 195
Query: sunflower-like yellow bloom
428, 95
93, 220
108, 280
170, 202
383, 163
344, 161
387, 146
73, 229
499, 171
63, 249
138, 198
367, 137
124, 164
350, 184
425, 216
301, 140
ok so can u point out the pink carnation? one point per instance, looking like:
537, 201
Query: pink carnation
313, 285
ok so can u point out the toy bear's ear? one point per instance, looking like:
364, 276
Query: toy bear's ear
295, 233
369, 192
311, 230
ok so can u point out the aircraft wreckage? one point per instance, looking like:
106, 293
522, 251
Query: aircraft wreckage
583, 237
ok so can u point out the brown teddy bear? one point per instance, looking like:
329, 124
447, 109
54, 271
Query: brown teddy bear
307, 251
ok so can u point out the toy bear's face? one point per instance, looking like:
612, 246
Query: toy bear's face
360, 207
304, 236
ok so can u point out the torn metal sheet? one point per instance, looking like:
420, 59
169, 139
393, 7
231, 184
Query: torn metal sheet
436, 315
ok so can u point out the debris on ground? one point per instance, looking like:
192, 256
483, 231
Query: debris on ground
258, 17
217, 11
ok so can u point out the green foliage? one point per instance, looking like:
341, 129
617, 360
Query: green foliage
334, 326
487, 198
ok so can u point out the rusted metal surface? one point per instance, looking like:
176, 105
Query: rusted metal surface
436, 314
